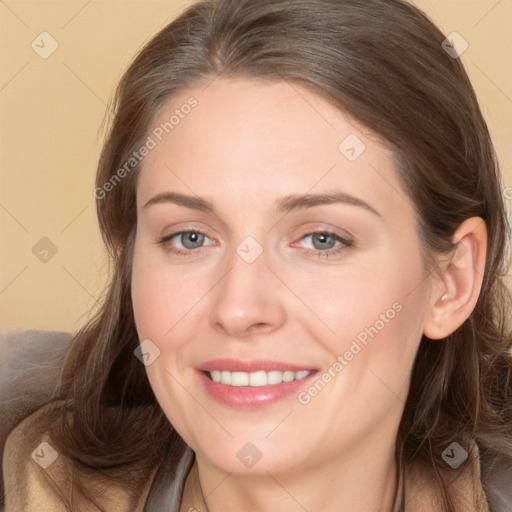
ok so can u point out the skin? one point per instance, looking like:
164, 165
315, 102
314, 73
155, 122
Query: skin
246, 145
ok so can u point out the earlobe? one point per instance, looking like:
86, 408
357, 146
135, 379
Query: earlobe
458, 284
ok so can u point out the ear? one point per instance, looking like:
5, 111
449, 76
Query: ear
457, 285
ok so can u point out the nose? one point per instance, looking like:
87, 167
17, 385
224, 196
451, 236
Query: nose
248, 299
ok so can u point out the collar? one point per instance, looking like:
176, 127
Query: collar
464, 486
418, 488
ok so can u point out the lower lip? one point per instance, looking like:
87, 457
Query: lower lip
251, 397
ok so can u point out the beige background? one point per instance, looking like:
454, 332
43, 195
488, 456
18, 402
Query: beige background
50, 138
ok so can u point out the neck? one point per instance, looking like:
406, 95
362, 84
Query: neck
339, 486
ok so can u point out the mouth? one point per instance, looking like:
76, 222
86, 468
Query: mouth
252, 384
257, 378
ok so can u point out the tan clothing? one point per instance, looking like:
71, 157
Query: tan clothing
27, 489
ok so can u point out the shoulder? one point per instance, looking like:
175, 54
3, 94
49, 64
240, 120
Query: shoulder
462, 482
27, 454
36, 475
497, 482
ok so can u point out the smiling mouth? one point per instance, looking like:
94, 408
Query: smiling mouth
256, 379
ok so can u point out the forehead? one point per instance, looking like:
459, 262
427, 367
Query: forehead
252, 141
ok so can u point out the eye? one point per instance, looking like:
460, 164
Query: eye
190, 242
324, 243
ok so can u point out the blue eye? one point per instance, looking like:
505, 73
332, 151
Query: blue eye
323, 241
322, 238
188, 240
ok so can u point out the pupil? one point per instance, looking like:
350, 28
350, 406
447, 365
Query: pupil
191, 238
323, 238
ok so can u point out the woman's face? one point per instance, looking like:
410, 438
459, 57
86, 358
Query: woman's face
273, 280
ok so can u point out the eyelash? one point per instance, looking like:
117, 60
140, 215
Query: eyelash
345, 244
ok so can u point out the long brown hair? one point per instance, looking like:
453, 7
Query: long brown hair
382, 62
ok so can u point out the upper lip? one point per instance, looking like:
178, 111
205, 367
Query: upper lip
235, 365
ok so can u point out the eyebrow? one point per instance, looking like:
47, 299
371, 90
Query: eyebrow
285, 204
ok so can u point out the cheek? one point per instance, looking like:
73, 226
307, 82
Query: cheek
378, 328
148, 304
365, 303
375, 319
155, 295
157, 309
165, 308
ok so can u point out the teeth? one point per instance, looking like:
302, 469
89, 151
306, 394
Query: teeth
254, 379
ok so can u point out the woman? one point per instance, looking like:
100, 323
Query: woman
237, 361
